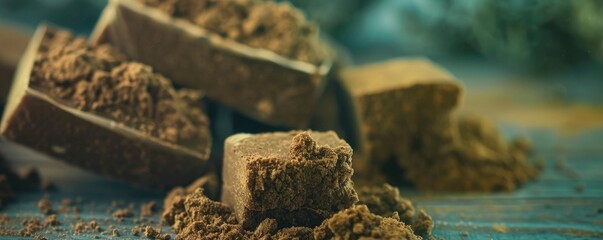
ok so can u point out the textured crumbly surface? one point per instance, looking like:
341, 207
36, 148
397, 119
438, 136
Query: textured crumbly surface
100, 80
358, 222
403, 110
385, 200
277, 27
173, 204
203, 217
297, 178
423, 224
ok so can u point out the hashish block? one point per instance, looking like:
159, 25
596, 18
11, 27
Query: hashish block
399, 107
91, 107
255, 81
297, 178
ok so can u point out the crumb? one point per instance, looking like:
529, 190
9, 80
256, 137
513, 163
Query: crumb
500, 228
147, 209
358, 222
173, 203
384, 200
135, 231
4, 219
52, 220
45, 206
115, 233
120, 214
151, 233
423, 224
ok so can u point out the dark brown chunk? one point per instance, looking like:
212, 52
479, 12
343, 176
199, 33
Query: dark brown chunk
296, 178
107, 113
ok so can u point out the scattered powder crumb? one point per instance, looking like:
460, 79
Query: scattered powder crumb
277, 27
174, 201
135, 231
384, 200
120, 214
52, 220
45, 206
151, 233
423, 224
115, 233
4, 219
500, 228
147, 209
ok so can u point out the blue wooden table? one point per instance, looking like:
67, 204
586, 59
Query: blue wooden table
555, 206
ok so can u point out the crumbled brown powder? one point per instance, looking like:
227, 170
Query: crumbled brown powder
45, 206
147, 209
115, 233
384, 200
31, 227
99, 79
358, 222
277, 27
174, 201
151, 233
120, 214
203, 217
11, 181
423, 224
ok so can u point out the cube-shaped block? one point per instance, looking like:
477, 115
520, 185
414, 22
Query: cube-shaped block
297, 178
399, 107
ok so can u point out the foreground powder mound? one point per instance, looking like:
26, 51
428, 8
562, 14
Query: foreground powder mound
99, 79
297, 178
359, 223
277, 27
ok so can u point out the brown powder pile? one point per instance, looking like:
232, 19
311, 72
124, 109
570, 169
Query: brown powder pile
200, 217
31, 227
120, 214
277, 27
477, 159
174, 201
359, 223
385, 201
99, 79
